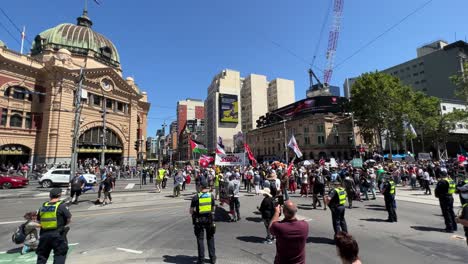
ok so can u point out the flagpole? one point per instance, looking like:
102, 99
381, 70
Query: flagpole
23, 34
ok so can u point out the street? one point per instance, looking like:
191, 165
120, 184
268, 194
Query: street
148, 227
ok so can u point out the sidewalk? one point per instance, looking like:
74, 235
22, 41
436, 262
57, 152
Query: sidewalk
406, 194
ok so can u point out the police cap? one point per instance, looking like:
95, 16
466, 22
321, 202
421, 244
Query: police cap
55, 192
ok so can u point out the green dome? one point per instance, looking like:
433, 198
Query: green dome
79, 40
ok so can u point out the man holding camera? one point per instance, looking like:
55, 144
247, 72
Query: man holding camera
291, 235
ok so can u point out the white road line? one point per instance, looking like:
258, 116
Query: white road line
11, 222
129, 186
130, 250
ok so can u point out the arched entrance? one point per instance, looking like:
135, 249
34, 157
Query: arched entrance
14, 154
90, 146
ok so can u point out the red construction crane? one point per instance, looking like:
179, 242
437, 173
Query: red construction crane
333, 40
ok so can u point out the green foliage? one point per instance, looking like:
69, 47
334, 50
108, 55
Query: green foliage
381, 103
462, 83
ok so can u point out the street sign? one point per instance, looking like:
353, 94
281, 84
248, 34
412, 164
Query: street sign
356, 163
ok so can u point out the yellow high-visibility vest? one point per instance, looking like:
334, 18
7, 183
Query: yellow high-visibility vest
341, 195
204, 203
48, 215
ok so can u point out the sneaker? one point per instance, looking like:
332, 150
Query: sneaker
24, 250
268, 242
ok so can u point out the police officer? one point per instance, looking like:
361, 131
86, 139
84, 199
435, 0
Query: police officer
54, 218
336, 200
388, 190
202, 211
444, 191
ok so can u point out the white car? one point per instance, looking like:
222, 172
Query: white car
62, 176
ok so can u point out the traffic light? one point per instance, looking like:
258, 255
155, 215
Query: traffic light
137, 145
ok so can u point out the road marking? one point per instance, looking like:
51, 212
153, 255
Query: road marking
130, 250
457, 237
126, 211
129, 186
11, 222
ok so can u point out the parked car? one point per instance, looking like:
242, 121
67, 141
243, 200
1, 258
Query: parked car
62, 176
12, 181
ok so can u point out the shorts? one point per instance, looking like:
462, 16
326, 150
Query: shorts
319, 189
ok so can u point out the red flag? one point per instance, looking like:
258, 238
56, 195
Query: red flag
290, 167
205, 160
250, 155
461, 158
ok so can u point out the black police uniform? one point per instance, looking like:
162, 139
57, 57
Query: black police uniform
446, 204
202, 223
337, 212
389, 198
54, 239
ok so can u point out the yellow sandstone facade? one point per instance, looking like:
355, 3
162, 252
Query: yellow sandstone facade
37, 100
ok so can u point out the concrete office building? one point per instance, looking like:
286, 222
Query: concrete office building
254, 100
226, 84
431, 70
280, 93
243, 101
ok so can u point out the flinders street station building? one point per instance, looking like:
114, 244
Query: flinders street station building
38, 99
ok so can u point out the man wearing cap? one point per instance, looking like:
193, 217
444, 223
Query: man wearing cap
444, 191
388, 190
202, 210
267, 208
77, 184
336, 200
463, 217
54, 218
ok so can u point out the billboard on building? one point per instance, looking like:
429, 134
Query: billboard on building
228, 108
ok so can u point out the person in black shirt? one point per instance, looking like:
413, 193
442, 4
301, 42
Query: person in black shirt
267, 208
202, 210
444, 190
54, 218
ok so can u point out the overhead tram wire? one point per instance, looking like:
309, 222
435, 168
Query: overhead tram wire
325, 19
9, 33
384, 32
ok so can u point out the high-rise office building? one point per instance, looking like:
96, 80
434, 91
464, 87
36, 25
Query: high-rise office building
280, 93
234, 104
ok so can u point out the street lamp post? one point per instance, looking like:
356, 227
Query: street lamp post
284, 120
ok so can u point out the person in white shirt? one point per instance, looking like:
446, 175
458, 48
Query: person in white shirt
427, 182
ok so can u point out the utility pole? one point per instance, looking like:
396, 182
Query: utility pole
285, 142
76, 127
104, 133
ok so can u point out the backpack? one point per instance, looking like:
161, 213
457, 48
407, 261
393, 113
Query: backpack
19, 235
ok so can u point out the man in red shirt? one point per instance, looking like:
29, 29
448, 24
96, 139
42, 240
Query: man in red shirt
291, 235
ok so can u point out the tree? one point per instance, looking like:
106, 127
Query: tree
380, 103
461, 81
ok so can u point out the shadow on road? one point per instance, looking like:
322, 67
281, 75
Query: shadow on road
254, 219
420, 194
428, 228
14, 250
320, 240
179, 259
310, 205
251, 239
374, 220
376, 209
304, 207
374, 205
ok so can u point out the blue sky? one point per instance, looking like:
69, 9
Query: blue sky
174, 48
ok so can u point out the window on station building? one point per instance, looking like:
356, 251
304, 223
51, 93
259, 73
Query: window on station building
96, 100
109, 103
120, 106
16, 119
3, 116
27, 121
